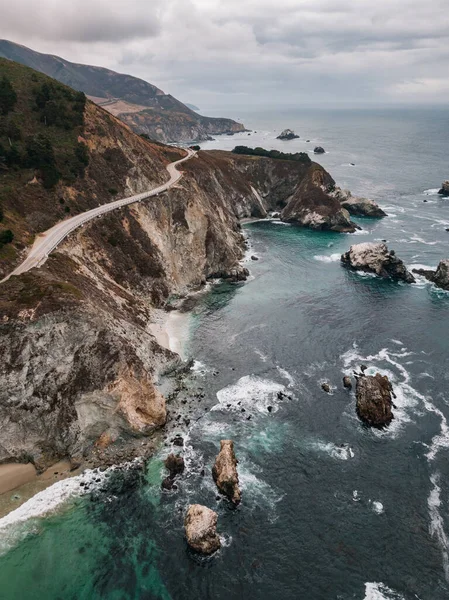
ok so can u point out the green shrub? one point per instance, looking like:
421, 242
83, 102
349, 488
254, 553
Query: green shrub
50, 176
6, 237
113, 191
301, 157
67, 209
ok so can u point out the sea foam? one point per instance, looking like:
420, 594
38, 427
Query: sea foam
380, 591
251, 393
327, 258
19, 523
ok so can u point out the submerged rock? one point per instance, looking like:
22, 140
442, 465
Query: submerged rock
225, 473
175, 465
444, 191
236, 274
375, 258
347, 383
374, 401
201, 529
319, 150
287, 134
440, 277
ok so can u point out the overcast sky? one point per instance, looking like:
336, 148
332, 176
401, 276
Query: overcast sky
235, 52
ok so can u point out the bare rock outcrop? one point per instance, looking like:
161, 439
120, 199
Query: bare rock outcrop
287, 134
440, 277
311, 205
375, 258
201, 529
444, 191
225, 473
358, 207
374, 401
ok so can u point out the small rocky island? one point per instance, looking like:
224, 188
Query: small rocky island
377, 258
287, 134
440, 277
201, 529
444, 191
319, 150
374, 400
225, 473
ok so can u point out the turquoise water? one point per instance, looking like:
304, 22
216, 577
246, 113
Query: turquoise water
331, 509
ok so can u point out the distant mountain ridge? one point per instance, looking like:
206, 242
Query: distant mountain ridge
142, 105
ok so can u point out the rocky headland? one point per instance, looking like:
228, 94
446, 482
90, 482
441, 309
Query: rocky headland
356, 206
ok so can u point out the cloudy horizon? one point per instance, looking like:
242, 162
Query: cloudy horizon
288, 53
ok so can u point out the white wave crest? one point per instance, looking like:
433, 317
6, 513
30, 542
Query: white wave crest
19, 523
340, 452
327, 258
436, 521
380, 591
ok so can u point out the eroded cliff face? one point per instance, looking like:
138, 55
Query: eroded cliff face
78, 361
177, 126
302, 193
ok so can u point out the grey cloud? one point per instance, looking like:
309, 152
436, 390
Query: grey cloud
79, 21
240, 51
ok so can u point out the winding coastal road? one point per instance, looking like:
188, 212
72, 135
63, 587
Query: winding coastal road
46, 242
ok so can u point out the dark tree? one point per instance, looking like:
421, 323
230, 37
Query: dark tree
6, 237
8, 96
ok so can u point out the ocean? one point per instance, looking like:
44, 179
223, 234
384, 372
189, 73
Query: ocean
331, 509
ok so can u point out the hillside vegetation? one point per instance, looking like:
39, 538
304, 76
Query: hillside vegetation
60, 155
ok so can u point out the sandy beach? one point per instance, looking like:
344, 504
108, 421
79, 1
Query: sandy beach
171, 330
19, 482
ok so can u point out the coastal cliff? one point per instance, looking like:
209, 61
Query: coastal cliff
79, 362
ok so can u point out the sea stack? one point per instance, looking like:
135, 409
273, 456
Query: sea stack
374, 401
444, 191
287, 134
376, 258
201, 529
225, 473
319, 150
440, 277
175, 465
